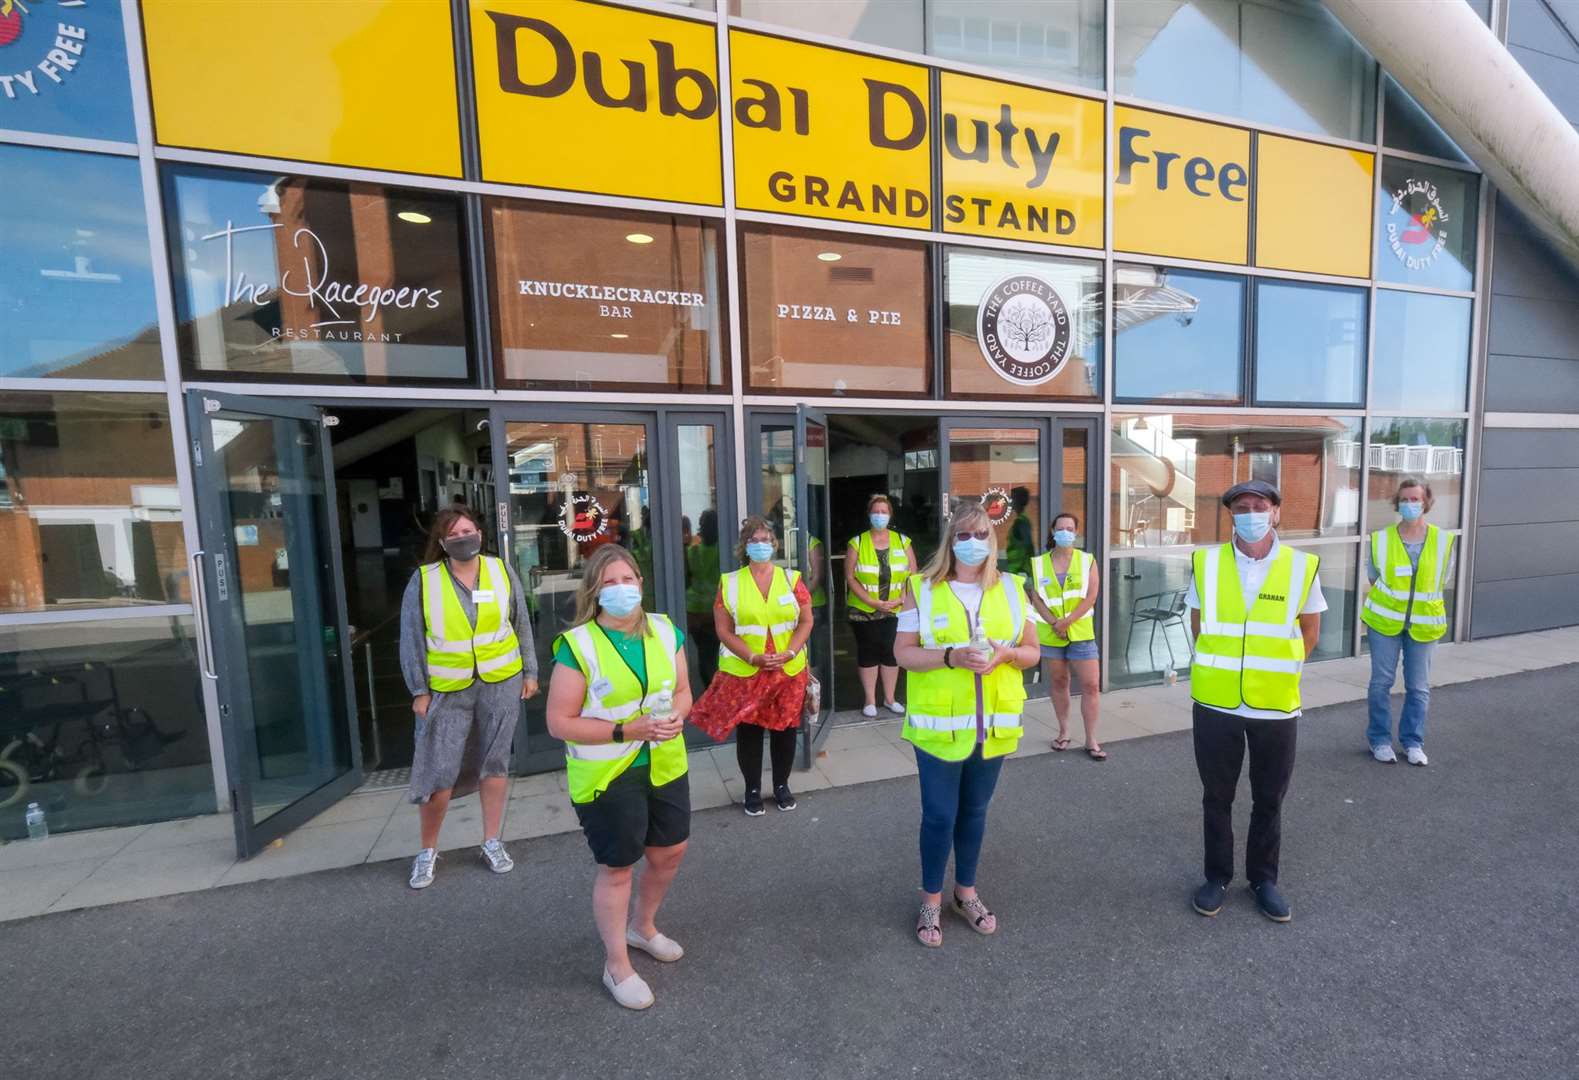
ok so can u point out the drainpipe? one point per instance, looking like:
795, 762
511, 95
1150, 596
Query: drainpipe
1454, 66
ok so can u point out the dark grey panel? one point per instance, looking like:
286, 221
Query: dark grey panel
1515, 607
1525, 551
1519, 448
1531, 384
1556, 78
1532, 25
1522, 326
1520, 496
1522, 264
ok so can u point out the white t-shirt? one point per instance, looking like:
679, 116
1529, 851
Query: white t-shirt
968, 595
1252, 575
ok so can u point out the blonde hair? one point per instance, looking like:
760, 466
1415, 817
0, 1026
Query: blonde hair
587, 606
941, 566
879, 498
1414, 481
749, 527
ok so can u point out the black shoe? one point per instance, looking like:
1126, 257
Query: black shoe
783, 797
1270, 901
1208, 899
754, 803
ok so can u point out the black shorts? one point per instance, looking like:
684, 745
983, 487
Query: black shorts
874, 642
631, 816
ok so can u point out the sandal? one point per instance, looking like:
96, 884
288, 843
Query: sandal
975, 912
1061, 743
928, 924
1096, 753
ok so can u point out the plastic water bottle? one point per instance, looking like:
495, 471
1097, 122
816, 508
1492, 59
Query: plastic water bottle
979, 643
663, 703
1170, 677
37, 825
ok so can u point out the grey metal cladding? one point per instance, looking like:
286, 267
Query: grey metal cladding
1522, 496
1506, 552
1516, 448
1513, 607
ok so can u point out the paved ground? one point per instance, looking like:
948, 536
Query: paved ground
1434, 936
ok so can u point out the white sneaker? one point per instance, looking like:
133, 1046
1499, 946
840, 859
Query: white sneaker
896, 708
422, 868
868, 710
1384, 753
633, 993
1417, 756
660, 946
498, 859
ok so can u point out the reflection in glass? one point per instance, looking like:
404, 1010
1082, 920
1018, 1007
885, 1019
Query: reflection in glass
814, 463
1429, 450
828, 314
314, 278
973, 277
1420, 357
893, 24
1151, 625
1425, 225
1281, 63
1076, 455
1406, 126
606, 299
90, 515
102, 724
776, 489
76, 288
1338, 570
1001, 468
1178, 334
1310, 344
1170, 472
1060, 40
701, 547
66, 71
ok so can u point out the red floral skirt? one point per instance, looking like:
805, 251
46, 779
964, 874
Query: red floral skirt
769, 699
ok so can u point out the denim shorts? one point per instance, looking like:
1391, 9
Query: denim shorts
1075, 650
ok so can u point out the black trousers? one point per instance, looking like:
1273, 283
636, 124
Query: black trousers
1220, 741
748, 752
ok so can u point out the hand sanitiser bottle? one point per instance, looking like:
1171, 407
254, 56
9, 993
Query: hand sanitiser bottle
37, 824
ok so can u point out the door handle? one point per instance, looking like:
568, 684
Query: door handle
205, 647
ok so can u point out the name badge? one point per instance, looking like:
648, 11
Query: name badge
1402, 571
787, 601
1047, 581
482, 596
601, 688
939, 620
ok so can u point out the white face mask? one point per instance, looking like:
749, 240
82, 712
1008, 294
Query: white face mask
879, 520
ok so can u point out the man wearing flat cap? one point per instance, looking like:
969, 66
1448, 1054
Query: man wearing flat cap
1256, 613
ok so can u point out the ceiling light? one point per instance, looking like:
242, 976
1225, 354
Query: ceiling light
638, 238
619, 335
414, 217
829, 256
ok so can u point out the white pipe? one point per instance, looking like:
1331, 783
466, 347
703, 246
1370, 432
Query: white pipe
1454, 66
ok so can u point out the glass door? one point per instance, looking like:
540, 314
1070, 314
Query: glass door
272, 602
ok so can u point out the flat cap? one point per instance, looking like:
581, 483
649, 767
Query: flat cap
1252, 487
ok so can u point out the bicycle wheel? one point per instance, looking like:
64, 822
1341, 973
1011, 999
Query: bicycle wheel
14, 781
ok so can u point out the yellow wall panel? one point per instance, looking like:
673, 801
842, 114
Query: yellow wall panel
1181, 187
1313, 206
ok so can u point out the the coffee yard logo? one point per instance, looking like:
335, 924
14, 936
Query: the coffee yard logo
51, 49
1022, 326
1417, 224
583, 518
998, 505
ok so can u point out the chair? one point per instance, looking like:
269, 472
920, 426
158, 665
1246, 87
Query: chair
1161, 609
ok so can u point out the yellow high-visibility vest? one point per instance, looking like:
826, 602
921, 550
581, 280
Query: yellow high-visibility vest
759, 618
1062, 599
458, 651
1250, 655
868, 567
1401, 589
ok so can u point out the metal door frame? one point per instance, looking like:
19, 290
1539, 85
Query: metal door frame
814, 735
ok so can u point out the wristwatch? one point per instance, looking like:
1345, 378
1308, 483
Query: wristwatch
619, 733
947, 657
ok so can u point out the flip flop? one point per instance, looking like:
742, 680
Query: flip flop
1097, 754
1061, 745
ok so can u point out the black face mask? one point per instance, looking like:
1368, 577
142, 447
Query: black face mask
463, 548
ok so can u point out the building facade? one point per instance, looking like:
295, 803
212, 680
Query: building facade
279, 282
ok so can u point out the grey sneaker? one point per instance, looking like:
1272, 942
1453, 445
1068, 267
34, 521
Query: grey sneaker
499, 860
1384, 754
1417, 756
422, 868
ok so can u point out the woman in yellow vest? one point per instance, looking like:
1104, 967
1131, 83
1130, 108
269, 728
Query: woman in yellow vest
762, 616
964, 637
1410, 565
467, 657
1064, 585
618, 697
876, 564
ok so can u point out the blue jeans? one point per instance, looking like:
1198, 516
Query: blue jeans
1417, 689
954, 798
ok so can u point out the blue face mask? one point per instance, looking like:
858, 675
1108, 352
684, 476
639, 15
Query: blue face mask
757, 551
1063, 538
971, 552
879, 521
619, 600
1410, 511
1251, 527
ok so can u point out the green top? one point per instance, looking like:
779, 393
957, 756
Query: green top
631, 650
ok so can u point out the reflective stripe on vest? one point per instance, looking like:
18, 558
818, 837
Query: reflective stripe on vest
1423, 601
457, 652
941, 716
1250, 655
615, 694
1062, 599
756, 617
868, 567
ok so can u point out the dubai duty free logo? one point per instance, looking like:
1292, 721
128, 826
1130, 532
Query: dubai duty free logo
1417, 224
52, 50
1022, 326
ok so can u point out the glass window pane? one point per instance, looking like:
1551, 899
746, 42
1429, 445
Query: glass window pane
1428, 450
1151, 625
1001, 468
827, 314
1338, 570
1178, 334
893, 24
699, 544
607, 299
1023, 325
90, 515
315, 279
64, 71
1076, 493
1310, 344
1425, 225
76, 285
1170, 472
1420, 357
1061, 40
105, 724
1406, 126
1287, 64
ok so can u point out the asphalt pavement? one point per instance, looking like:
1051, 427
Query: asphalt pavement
1434, 935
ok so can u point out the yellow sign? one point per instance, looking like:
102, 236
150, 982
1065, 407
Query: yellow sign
1313, 206
369, 85
1180, 187
829, 133
589, 97
1021, 163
